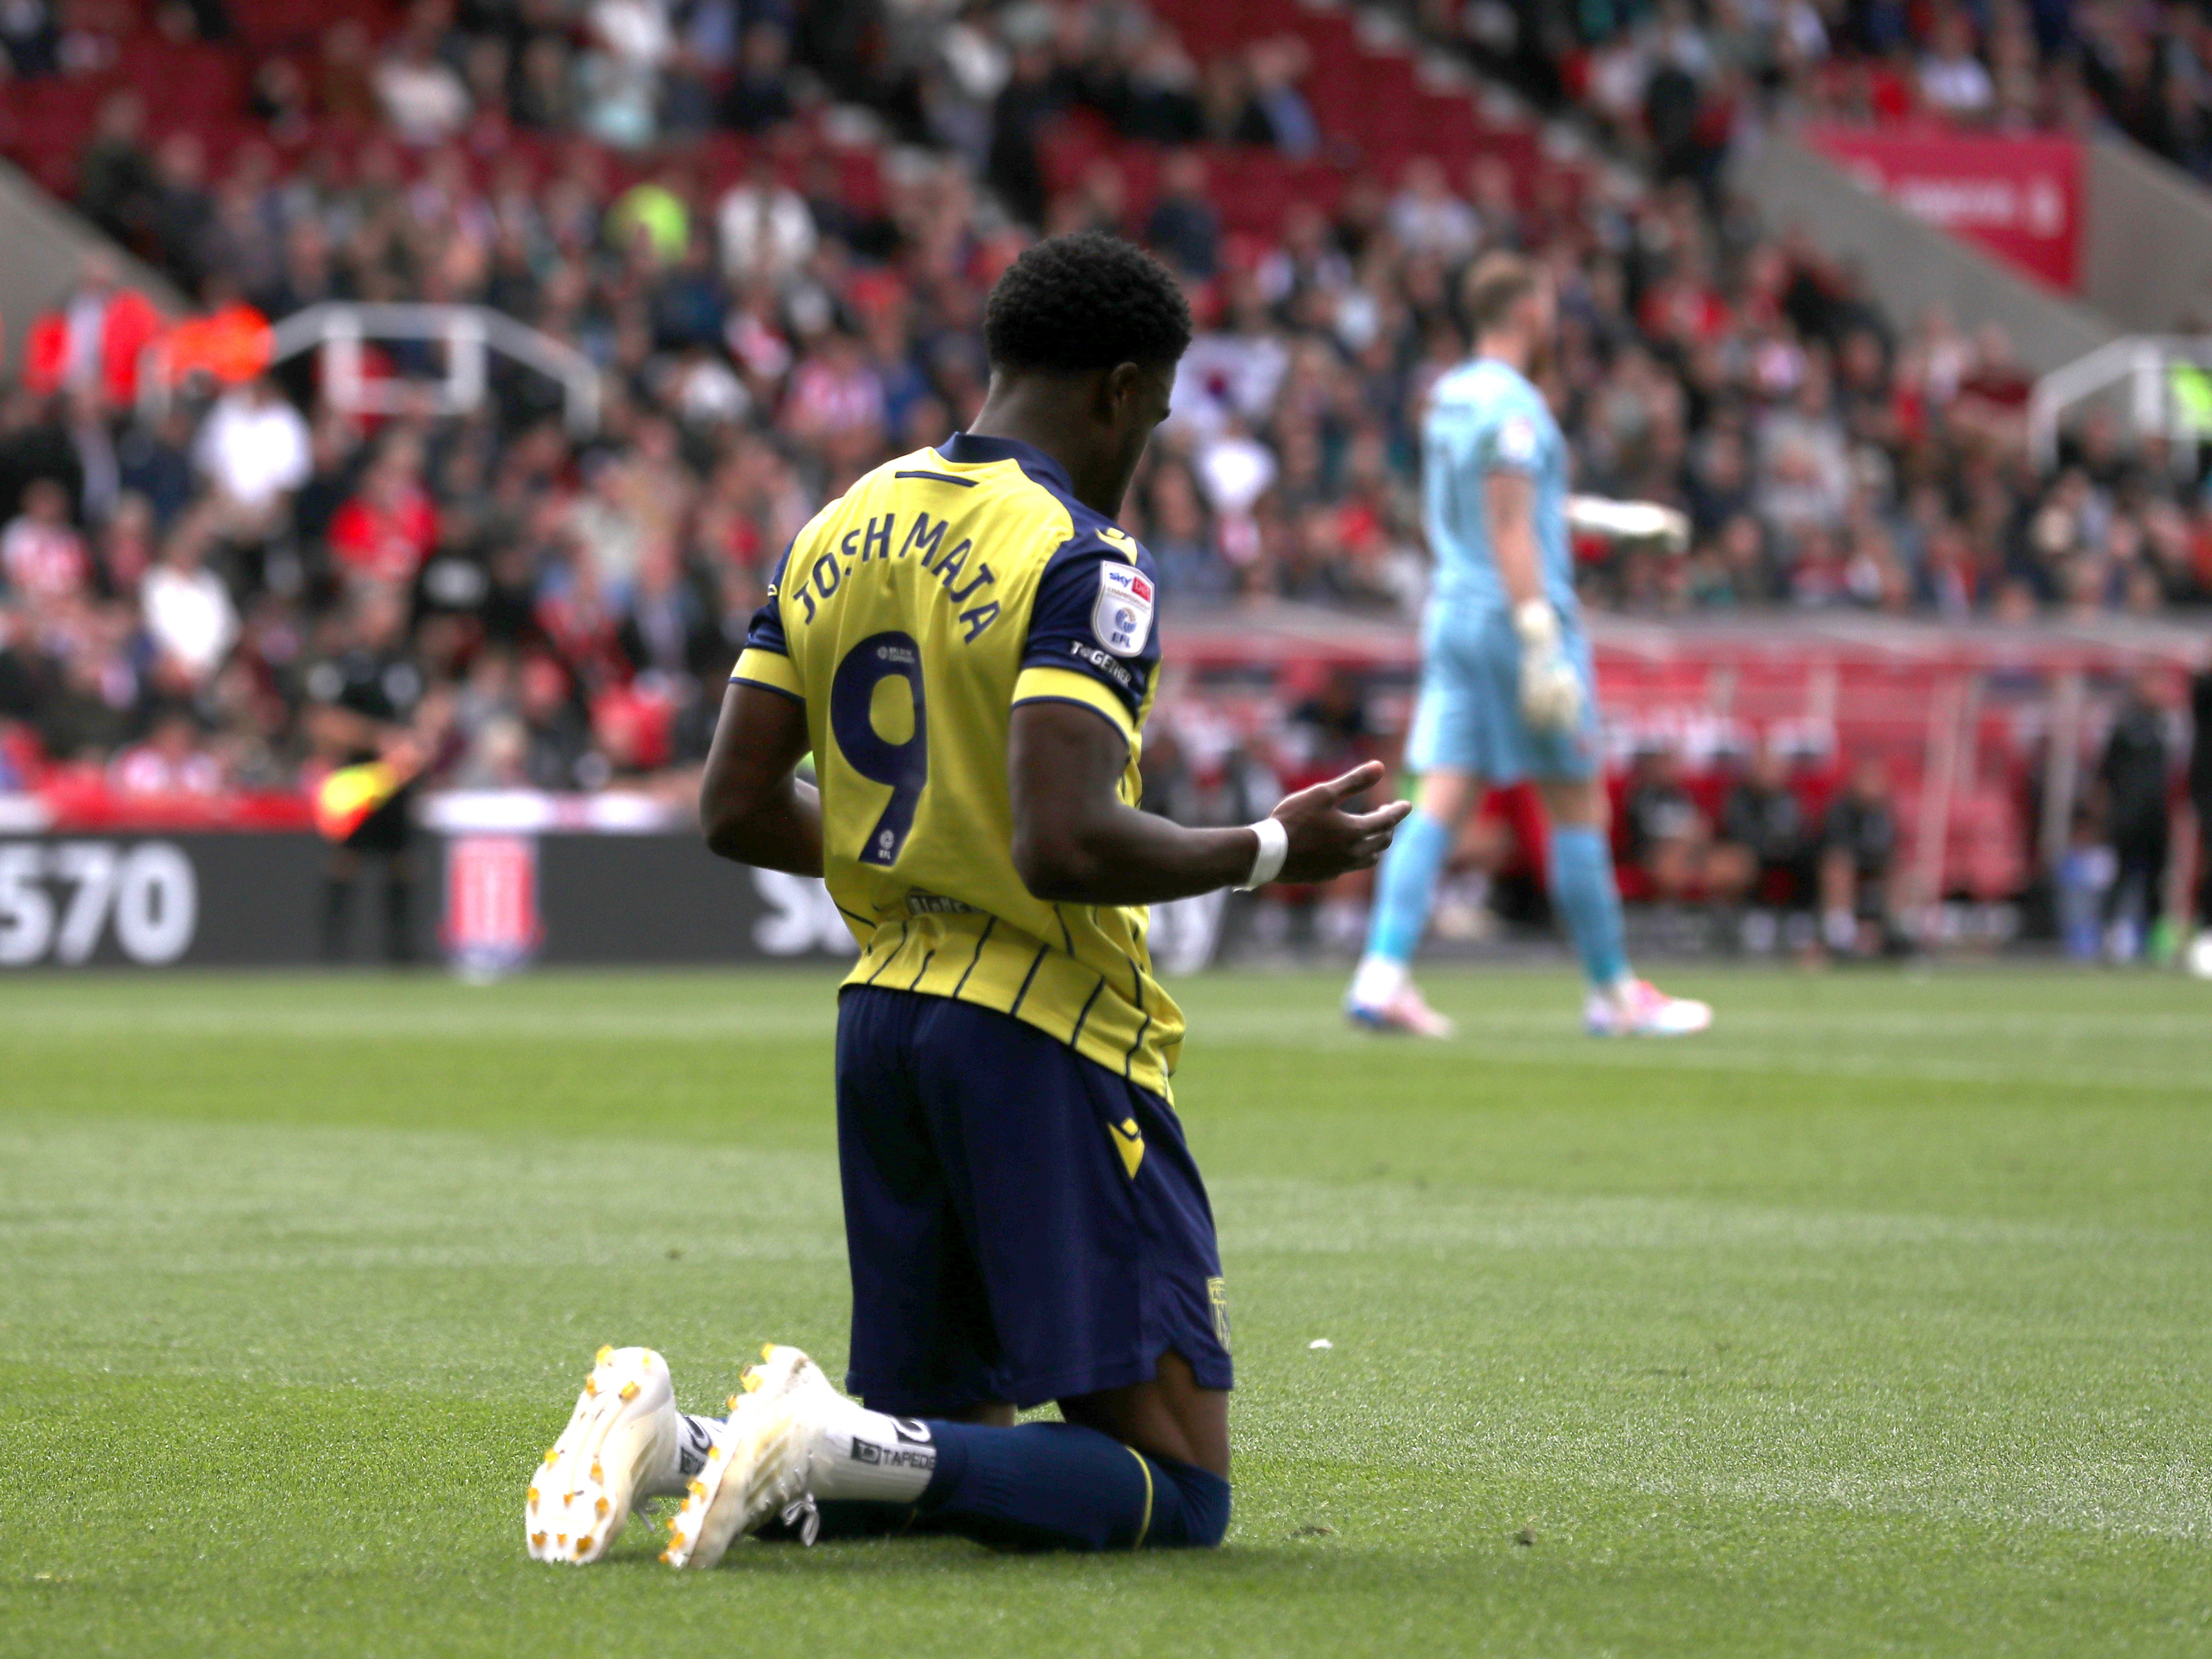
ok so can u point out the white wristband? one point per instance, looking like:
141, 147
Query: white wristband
1274, 847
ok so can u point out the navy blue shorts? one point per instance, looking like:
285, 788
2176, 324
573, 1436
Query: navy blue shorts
1023, 1224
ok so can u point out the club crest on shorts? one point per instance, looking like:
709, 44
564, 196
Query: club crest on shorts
1122, 618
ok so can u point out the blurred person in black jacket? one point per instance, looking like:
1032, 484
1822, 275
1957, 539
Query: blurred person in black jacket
365, 696
116, 187
759, 95
667, 629
2133, 781
2200, 797
22, 679
1185, 227
90, 705
1858, 864
560, 751
1667, 835
1763, 852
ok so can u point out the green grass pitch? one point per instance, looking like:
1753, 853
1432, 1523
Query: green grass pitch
1878, 1323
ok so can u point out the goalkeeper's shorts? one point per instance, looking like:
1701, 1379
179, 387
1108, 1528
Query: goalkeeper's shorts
1468, 717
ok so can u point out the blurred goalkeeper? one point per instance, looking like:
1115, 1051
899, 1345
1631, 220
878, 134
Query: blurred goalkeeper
1507, 689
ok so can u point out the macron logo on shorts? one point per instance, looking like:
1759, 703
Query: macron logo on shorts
1122, 620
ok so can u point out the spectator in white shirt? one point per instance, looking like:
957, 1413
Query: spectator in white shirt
188, 611
766, 230
1234, 373
1952, 79
422, 96
255, 449
618, 77
1235, 470
1427, 218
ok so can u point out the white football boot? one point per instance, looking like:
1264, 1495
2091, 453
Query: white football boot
766, 1458
1636, 1007
1405, 1009
758, 1464
624, 1431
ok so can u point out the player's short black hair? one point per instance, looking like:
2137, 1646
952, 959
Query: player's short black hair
1085, 301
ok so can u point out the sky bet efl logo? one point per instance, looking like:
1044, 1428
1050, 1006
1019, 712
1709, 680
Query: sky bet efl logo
1122, 618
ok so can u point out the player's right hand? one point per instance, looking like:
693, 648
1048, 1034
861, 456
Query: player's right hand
1326, 840
1551, 690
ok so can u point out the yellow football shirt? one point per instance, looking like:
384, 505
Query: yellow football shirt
909, 616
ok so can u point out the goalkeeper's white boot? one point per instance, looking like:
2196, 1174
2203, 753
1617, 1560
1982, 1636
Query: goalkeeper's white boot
1406, 1010
622, 1435
1636, 1007
1382, 998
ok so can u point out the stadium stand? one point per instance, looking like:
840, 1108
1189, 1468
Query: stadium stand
1678, 80
772, 227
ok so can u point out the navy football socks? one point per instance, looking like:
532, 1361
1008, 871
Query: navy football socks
1057, 1487
1040, 1486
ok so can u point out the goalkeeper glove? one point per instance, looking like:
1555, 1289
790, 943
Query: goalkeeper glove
1670, 529
1551, 690
1665, 528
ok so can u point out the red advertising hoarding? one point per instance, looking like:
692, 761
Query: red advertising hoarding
2019, 197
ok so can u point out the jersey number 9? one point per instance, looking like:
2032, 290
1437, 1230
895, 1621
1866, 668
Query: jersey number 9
904, 766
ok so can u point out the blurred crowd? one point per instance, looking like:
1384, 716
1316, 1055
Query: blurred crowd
1676, 80
185, 580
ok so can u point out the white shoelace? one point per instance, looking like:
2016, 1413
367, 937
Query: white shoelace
803, 1513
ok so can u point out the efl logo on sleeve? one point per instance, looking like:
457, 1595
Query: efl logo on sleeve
1518, 444
1122, 618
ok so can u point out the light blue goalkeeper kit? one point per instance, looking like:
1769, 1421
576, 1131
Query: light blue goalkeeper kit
1484, 417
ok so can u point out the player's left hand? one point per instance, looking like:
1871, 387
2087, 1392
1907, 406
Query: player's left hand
1325, 840
1674, 536
1666, 528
